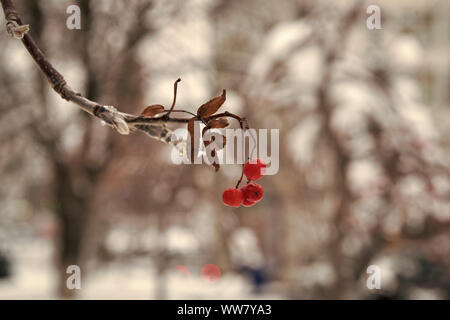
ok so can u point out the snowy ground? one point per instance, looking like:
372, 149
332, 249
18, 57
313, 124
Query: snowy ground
34, 277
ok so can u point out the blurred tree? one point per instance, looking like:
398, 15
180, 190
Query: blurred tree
364, 172
337, 103
77, 172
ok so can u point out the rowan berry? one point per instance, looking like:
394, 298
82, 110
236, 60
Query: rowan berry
248, 203
255, 170
232, 197
252, 192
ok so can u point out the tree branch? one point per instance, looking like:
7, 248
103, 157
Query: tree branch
122, 122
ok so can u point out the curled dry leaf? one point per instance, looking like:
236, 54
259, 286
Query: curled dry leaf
215, 124
190, 128
215, 164
152, 110
213, 139
211, 107
224, 141
219, 123
204, 130
215, 148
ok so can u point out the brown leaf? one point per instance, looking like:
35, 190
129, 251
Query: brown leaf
213, 139
215, 164
224, 141
190, 128
214, 151
152, 110
215, 124
207, 143
219, 123
204, 130
211, 107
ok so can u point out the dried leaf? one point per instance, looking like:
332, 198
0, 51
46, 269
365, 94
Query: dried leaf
190, 128
207, 143
204, 130
152, 110
214, 124
224, 141
213, 139
215, 164
219, 123
211, 107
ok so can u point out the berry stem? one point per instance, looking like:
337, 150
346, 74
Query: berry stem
240, 179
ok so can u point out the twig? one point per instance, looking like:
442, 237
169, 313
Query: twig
122, 122
175, 86
240, 179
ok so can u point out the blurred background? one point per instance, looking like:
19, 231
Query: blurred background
364, 173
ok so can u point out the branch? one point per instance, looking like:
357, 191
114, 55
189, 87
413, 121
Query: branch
122, 122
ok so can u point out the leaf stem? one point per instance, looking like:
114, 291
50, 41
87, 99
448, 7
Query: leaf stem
175, 87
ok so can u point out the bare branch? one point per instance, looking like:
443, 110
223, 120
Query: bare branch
122, 122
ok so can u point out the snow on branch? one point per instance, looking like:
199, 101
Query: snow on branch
122, 122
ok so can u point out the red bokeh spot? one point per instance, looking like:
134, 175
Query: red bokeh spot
183, 270
211, 272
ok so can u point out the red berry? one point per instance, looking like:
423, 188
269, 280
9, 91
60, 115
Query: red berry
211, 272
248, 203
183, 270
254, 170
252, 192
232, 197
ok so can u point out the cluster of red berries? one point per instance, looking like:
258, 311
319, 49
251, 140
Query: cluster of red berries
250, 194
